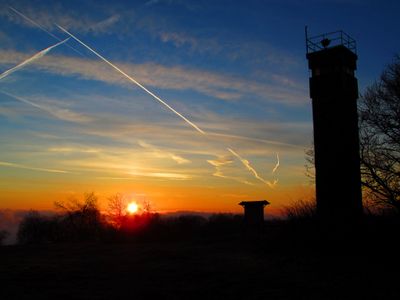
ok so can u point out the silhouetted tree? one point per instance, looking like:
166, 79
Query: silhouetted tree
146, 207
380, 138
3, 235
116, 211
82, 220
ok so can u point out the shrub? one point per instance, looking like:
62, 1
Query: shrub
300, 210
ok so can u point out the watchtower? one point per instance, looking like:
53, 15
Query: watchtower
334, 91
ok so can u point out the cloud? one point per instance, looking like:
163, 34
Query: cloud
161, 153
229, 48
226, 87
179, 39
221, 161
104, 25
162, 175
47, 15
187, 4
74, 150
116, 162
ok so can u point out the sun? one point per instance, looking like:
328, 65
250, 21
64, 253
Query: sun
132, 207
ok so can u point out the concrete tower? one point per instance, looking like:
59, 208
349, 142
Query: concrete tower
334, 91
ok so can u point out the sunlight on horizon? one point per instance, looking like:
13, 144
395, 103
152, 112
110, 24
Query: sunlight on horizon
132, 208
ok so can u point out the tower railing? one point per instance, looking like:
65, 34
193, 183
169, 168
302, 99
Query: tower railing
328, 40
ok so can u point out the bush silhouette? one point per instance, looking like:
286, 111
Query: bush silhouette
35, 228
300, 210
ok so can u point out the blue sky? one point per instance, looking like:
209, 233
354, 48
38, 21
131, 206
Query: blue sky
236, 69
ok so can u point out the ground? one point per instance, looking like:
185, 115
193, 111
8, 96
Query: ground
235, 267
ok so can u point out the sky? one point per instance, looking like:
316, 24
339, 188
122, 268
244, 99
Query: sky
70, 123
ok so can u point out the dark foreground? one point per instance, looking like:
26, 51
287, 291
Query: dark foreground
236, 267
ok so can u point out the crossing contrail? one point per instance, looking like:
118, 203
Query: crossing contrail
134, 81
42, 28
245, 162
31, 59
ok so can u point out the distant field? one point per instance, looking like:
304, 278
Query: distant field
235, 268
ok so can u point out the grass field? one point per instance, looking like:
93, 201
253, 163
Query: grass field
232, 267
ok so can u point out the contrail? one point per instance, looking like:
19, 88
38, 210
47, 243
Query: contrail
23, 100
12, 165
42, 28
59, 113
31, 59
272, 184
246, 163
133, 80
277, 163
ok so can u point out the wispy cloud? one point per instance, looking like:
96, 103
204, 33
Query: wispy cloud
161, 153
115, 162
217, 85
162, 175
222, 44
219, 163
187, 4
74, 150
48, 15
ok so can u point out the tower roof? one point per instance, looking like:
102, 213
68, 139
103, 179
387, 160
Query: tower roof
254, 203
329, 40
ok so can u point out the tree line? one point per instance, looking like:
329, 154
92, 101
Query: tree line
83, 221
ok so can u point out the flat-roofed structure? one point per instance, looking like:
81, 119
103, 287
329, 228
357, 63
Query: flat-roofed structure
254, 212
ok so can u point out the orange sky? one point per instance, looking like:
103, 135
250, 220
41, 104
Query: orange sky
211, 125
164, 195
